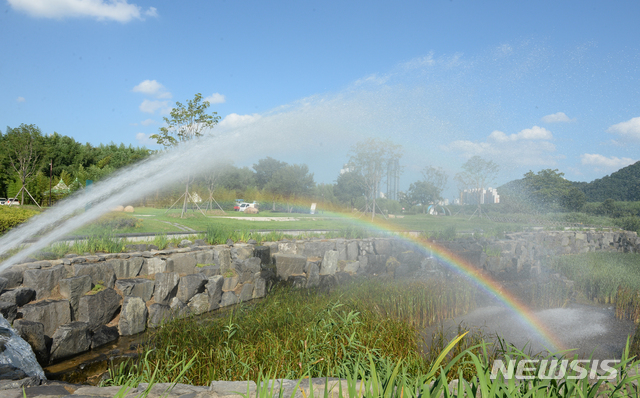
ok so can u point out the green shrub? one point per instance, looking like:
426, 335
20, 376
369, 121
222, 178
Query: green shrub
13, 216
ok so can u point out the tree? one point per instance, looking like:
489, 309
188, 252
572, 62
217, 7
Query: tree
23, 151
349, 187
265, 169
437, 178
291, 182
422, 193
477, 174
370, 159
186, 123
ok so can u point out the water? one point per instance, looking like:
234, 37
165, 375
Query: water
587, 329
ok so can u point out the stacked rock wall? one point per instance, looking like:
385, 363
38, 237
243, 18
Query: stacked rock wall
67, 306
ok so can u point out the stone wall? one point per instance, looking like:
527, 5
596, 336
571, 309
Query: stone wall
67, 306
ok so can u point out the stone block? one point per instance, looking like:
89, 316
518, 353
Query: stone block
140, 287
166, 287
159, 314
199, 304
70, 339
127, 268
313, 275
72, 289
133, 317
8, 310
289, 264
246, 293
329, 263
51, 313
182, 264
214, 291
33, 333
228, 298
264, 254
100, 308
19, 296
190, 285
152, 266
104, 335
100, 273
43, 281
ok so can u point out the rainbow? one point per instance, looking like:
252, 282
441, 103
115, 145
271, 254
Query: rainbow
482, 279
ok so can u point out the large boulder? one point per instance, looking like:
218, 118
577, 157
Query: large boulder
246, 293
140, 287
246, 268
100, 308
70, 339
182, 264
51, 313
19, 296
329, 263
127, 268
178, 308
72, 289
16, 353
199, 303
228, 298
289, 264
43, 280
133, 317
353, 250
100, 273
13, 275
33, 333
8, 310
264, 254
313, 274
166, 287
190, 285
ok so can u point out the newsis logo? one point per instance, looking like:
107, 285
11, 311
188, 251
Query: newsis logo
545, 369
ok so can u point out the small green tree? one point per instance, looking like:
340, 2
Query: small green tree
23, 150
422, 193
186, 123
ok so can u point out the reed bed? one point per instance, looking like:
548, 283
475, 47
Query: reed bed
293, 333
606, 278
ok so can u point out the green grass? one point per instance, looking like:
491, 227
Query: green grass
298, 332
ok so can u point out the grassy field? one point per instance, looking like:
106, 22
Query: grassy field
150, 220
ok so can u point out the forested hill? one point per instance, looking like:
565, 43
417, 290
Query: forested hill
623, 185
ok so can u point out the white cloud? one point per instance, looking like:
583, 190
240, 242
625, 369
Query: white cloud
529, 147
149, 106
534, 133
216, 98
603, 163
148, 122
628, 131
234, 120
153, 88
559, 117
20, 99
143, 139
116, 10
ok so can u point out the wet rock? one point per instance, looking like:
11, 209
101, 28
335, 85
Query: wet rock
182, 264
214, 291
133, 317
33, 333
100, 308
159, 314
228, 298
127, 268
142, 288
329, 263
166, 287
43, 280
74, 288
289, 264
70, 339
101, 273
51, 313
19, 296
104, 335
10, 372
190, 285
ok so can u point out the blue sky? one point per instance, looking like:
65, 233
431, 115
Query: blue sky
530, 85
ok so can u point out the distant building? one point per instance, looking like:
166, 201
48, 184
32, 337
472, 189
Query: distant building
471, 196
